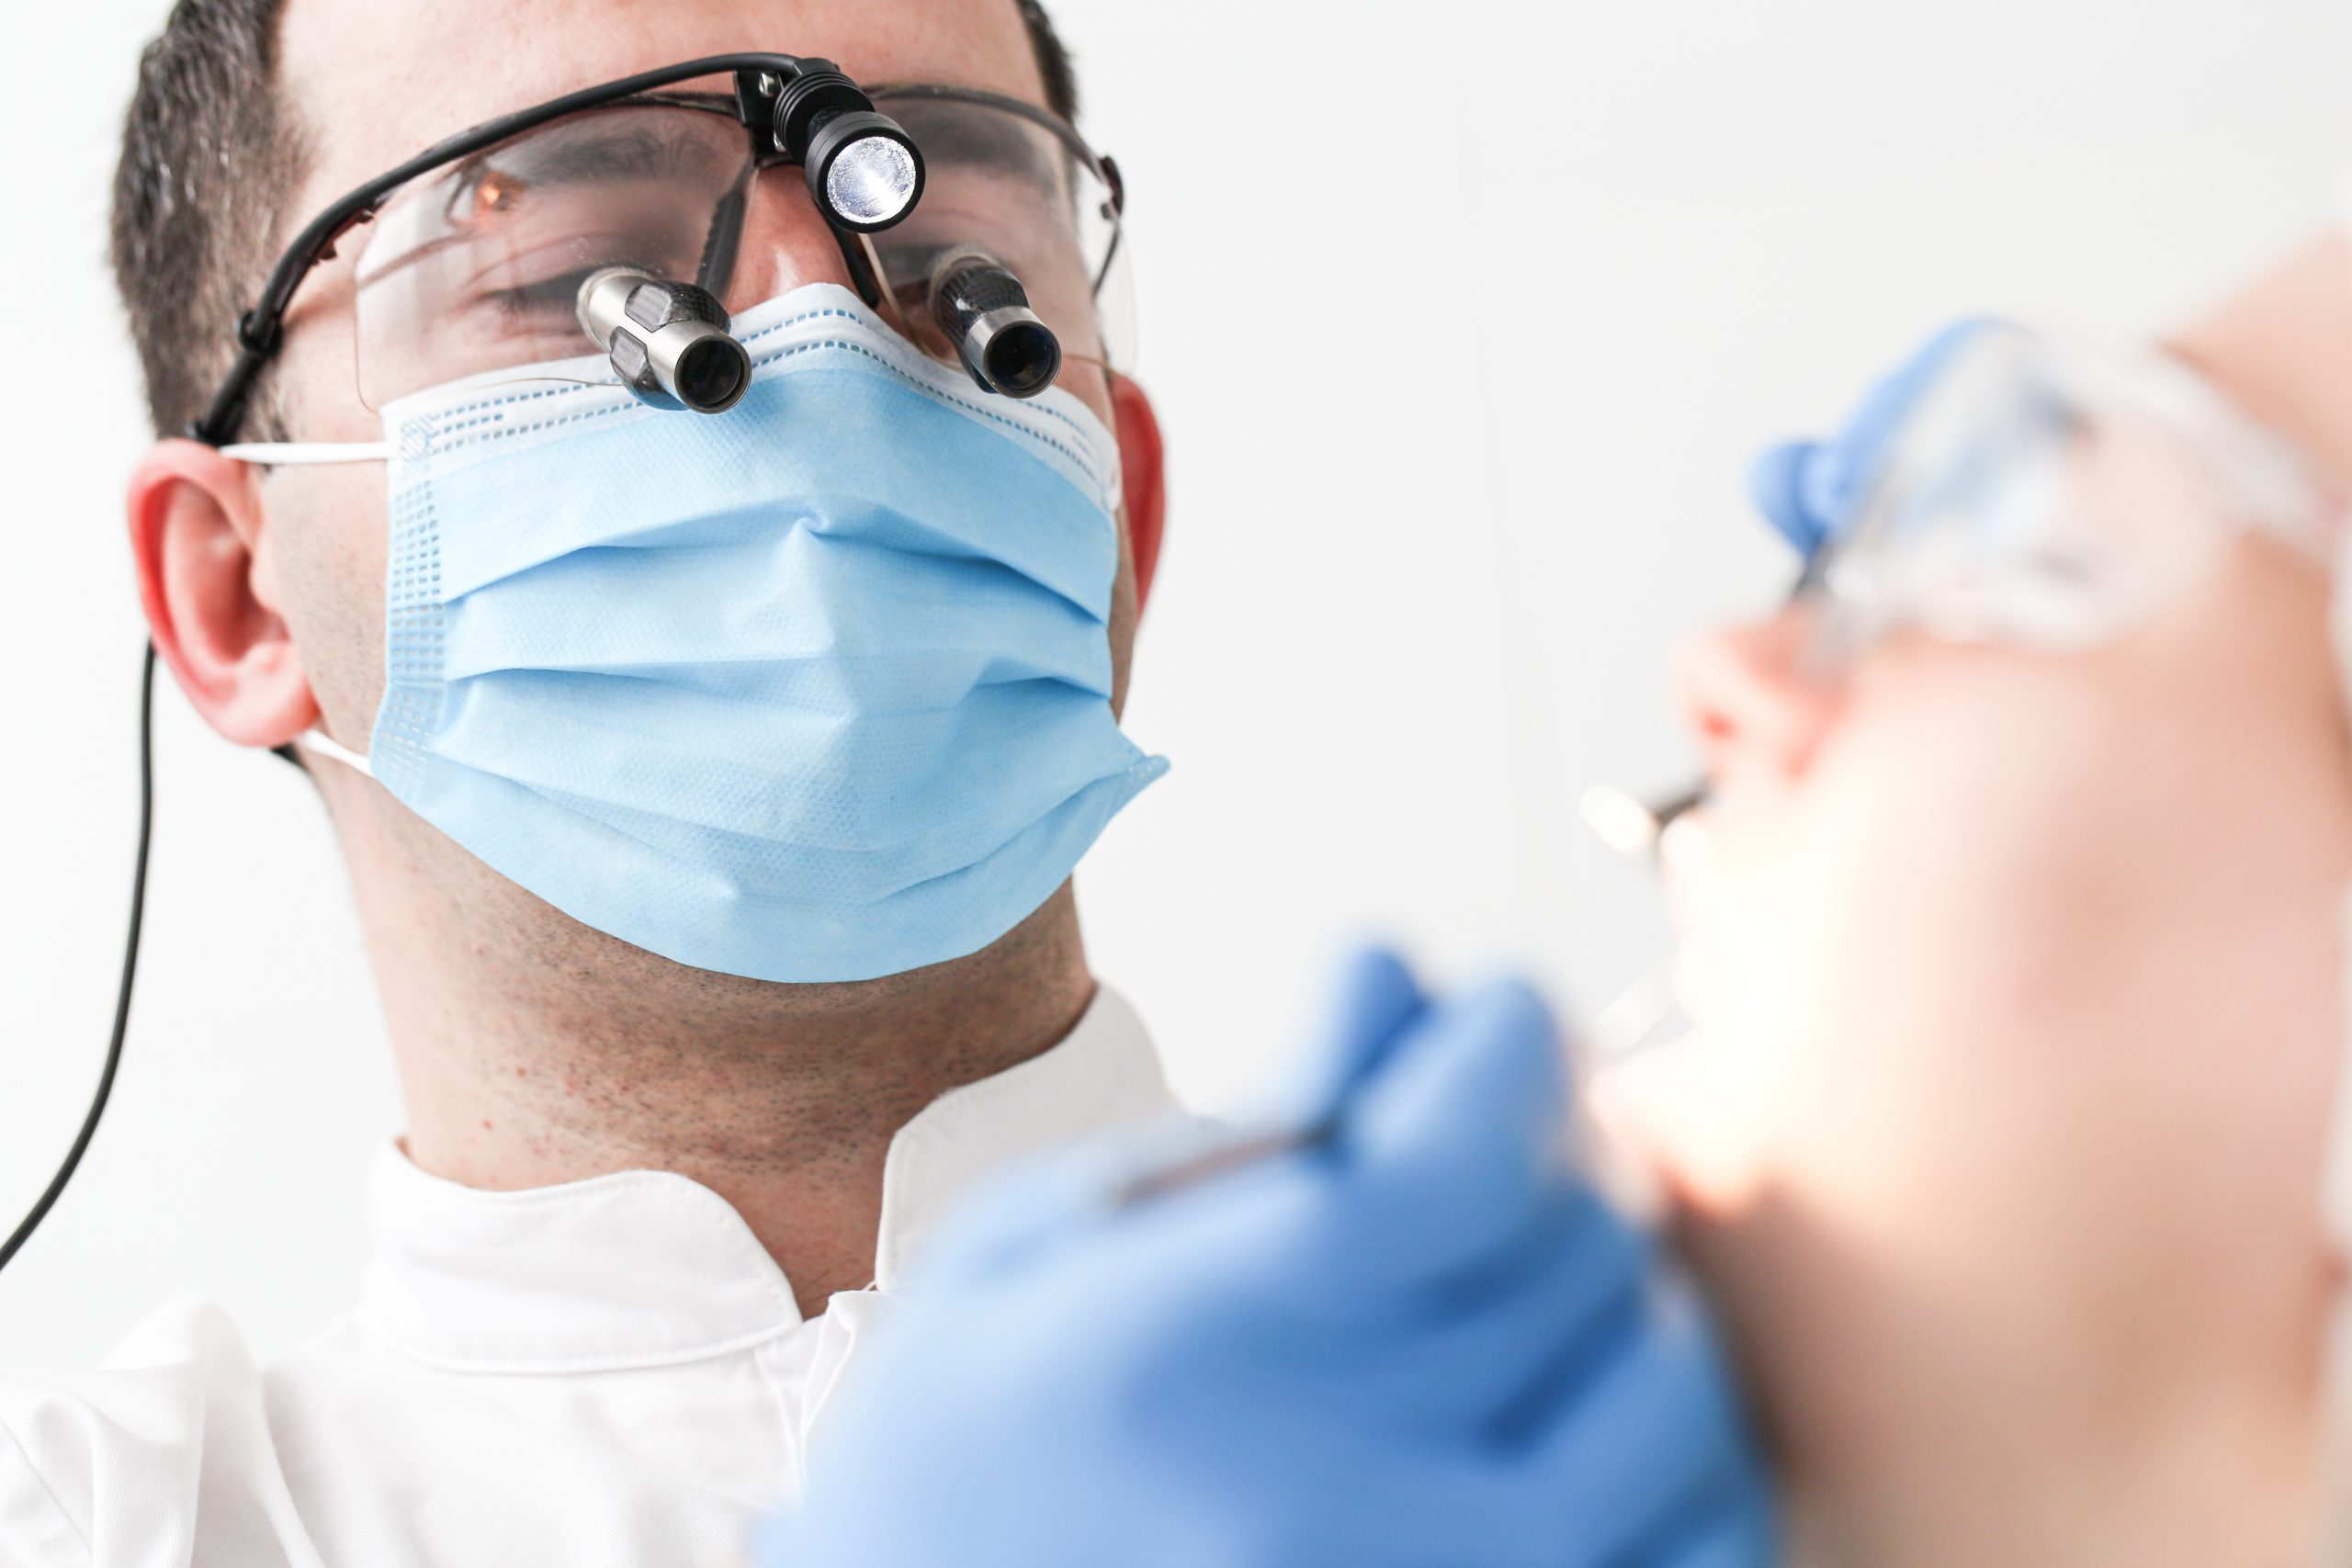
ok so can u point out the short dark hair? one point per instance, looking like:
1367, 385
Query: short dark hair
208, 154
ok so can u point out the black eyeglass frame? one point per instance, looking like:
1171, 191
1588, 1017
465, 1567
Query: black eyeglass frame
767, 86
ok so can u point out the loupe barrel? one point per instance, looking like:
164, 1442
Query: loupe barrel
700, 365
669, 340
982, 309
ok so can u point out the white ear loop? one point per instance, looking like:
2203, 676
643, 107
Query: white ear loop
326, 746
307, 454
301, 453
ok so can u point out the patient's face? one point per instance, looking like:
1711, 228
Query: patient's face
2018, 982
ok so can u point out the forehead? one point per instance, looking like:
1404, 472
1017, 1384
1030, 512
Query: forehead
374, 82
2281, 349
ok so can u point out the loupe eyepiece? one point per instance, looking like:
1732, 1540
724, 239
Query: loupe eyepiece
985, 312
669, 340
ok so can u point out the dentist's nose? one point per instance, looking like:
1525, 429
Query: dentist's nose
785, 243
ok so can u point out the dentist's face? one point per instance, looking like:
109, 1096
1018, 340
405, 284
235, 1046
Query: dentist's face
266, 587
2017, 978
370, 84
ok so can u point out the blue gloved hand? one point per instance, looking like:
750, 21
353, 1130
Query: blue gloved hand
1807, 489
1424, 1341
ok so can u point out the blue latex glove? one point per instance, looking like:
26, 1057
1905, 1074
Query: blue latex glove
1807, 489
1425, 1342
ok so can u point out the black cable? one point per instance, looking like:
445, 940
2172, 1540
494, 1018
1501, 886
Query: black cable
40, 1210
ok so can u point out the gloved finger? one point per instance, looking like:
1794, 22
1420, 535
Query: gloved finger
1352, 1496
1739, 1528
1808, 491
1029, 1212
1093, 1208
1891, 398
1372, 1000
1455, 1140
1646, 1443
1464, 1120
1863, 447
1486, 1348
1777, 482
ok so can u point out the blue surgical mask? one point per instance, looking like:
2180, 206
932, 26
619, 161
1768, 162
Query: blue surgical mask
815, 690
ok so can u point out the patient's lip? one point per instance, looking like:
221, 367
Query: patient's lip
1688, 845
1686, 854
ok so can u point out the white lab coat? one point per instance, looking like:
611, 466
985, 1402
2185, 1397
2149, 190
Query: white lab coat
608, 1374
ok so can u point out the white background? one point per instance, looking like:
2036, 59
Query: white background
1462, 319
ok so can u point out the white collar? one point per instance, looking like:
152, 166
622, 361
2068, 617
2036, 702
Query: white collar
647, 1267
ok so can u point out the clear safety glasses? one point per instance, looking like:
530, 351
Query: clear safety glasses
607, 236
480, 269
2042, 495
2036, 494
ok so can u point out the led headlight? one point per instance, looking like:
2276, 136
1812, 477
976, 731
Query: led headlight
863, 169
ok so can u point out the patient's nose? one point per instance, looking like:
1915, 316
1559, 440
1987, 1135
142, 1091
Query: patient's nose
1753, 698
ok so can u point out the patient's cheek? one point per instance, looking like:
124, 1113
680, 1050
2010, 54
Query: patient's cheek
2039, 919
1869, 960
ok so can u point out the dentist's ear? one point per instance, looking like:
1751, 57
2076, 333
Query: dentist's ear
207, 585
1143, 460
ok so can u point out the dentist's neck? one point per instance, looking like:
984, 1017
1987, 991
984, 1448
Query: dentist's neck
533, 1051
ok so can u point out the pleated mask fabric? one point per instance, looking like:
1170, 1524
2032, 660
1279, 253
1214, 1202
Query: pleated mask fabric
815, 690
